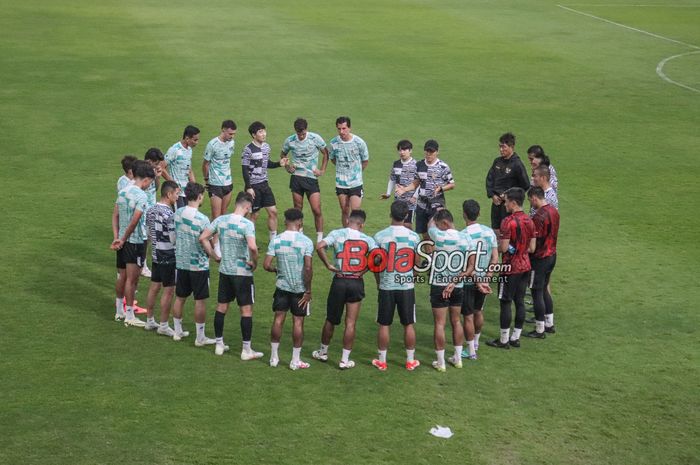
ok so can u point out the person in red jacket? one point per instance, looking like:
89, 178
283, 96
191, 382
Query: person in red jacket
546, 219
517, 241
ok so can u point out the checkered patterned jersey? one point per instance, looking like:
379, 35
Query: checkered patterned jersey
478, 233
179, 161
430, 177
130, 200
234, 231
218, 154
189, 253
255, 159
348, 158
160, 223
449, 240
339, 238
303, 154
403, 174
290, 248
403, 240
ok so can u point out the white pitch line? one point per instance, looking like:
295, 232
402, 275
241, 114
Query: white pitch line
647, 5
662, 75
630, 27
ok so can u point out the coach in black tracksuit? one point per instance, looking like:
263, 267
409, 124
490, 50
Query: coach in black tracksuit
507, 171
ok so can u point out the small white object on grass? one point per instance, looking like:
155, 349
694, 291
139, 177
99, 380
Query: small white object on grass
441, 432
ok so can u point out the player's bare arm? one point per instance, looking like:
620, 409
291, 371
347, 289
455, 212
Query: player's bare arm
205, 240
308, 276
321, 251
253, 249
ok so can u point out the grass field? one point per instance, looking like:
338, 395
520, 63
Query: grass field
83, 83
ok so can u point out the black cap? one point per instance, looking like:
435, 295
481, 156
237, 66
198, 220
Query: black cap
431, 145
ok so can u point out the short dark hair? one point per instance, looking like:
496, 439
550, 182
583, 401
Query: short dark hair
443, 215
516, 194
153, 154
543, 170
254, 127
536, 192
193, 190
544, 159
244, 197
536, 151
128, 162
399, 210
357, 216
300, 124
228, 124
404, 144
471, 209
190, 131
431, 145
293, 214
508, 138
142, 169
343, 119
168, 187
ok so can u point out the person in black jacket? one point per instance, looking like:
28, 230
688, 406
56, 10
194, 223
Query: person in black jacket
506, 171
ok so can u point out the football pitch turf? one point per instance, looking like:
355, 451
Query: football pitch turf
84, 83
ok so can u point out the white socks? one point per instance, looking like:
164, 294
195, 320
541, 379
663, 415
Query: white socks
516, 334
458, 352
324, 349
119, 305
130, 312
476, 338
177, 322
549, 320
274, 346
539, 326
410, 353
296, 352
319, 236
440, 357
504, 335
246, 345
346, 355
200, 331
382, 356
472, 349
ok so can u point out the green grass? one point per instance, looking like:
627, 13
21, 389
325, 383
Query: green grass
85, 82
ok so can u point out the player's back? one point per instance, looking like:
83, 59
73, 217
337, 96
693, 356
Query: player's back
290, 248
234, 231
189, 253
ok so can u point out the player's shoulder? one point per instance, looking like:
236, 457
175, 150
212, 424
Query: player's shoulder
443, 164
314, 136
304, 239
201, 217
358, 140
336, 140
214, 142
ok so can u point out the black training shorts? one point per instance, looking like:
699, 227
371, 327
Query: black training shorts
283, 301
238, 288
403, 300
192, 282
343, 291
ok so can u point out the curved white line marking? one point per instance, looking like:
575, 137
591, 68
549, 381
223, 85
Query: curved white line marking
662, 63
662, 75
